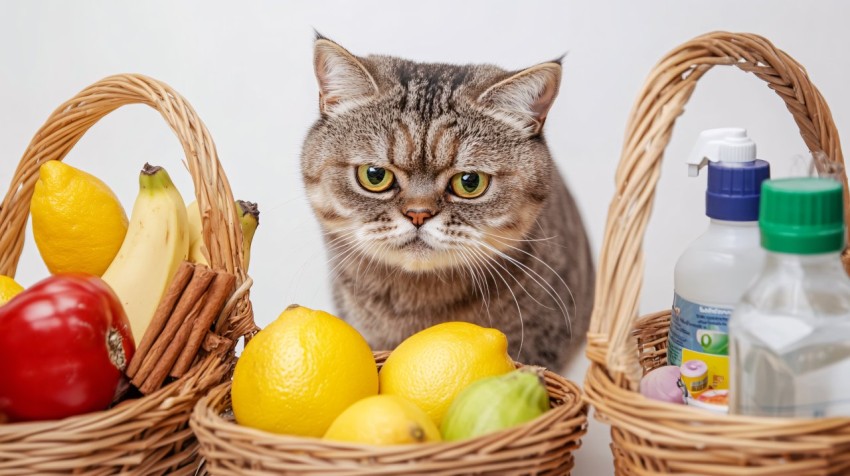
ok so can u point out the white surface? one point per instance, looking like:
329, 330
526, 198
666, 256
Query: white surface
246, 68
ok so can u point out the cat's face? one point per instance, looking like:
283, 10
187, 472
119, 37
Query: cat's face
423, 166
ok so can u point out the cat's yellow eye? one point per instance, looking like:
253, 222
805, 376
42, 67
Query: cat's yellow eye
374, 179
469, 184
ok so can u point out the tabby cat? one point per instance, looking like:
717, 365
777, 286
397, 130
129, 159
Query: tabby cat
439, 201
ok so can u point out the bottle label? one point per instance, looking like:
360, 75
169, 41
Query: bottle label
699, 332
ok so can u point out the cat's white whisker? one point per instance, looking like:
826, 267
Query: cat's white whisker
555, 273
476, 281
482, 263
372, 259
352, 250
506, 258
334, 272
373, 251
361, 255
333, 236
337, 227
338, 247
363, 252
337, 251
481, 282
344, 229
537, 279
490, 261
519, 240
338, 237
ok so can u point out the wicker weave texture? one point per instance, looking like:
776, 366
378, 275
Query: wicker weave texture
149, 435
651, 437
543, 446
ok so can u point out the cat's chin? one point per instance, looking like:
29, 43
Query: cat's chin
417, 263
419, 266
418, 257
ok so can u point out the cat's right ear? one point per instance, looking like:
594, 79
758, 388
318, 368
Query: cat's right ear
343, 80
525, 98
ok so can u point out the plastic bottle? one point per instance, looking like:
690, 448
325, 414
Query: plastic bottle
716, 269
790, 335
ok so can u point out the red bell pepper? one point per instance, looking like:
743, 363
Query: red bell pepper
64, 345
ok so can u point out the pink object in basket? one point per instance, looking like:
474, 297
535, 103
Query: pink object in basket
663, 384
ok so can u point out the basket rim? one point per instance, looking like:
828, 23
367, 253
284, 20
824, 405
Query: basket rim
572, 413
125, 406
203, 409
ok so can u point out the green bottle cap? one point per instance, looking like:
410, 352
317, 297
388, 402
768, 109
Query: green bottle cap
802, 215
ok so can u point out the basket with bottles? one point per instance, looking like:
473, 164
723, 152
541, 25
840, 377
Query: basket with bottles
104, 359
448, 400
766, 394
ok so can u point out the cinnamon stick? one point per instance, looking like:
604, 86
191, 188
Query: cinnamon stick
175, 346
220, 289
201, 278
166, 306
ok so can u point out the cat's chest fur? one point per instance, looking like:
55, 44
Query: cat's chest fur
389, 305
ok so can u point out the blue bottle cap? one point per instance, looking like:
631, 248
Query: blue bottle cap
734, 189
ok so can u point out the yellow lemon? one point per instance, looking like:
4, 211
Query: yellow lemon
383, 420
9, 288
77, 222
300, 372
431, 367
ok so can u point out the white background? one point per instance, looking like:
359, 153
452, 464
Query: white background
246, 68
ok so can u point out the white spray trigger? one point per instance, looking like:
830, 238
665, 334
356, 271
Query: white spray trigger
728, 144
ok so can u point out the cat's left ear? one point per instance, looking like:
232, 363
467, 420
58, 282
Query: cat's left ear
525, 98
343, 80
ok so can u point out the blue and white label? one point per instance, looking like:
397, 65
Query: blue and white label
700, 332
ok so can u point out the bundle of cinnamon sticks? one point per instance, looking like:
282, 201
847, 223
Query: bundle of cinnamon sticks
181, 325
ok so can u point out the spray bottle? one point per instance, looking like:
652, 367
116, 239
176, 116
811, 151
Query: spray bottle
716, 269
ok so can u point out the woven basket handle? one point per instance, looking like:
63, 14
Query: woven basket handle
662, 100
62, 130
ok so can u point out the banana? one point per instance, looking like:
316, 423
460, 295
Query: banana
249, 219
197, 248
157, 241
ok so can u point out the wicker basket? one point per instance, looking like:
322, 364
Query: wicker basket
651, 437
149, 435
543, 446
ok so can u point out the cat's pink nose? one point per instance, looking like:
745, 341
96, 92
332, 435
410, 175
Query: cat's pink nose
418, 216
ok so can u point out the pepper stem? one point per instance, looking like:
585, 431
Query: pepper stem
115, 347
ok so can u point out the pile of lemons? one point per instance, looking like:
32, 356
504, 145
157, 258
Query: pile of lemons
311, 374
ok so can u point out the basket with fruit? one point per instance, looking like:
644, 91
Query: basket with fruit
102, 362
654, 437
309, 396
